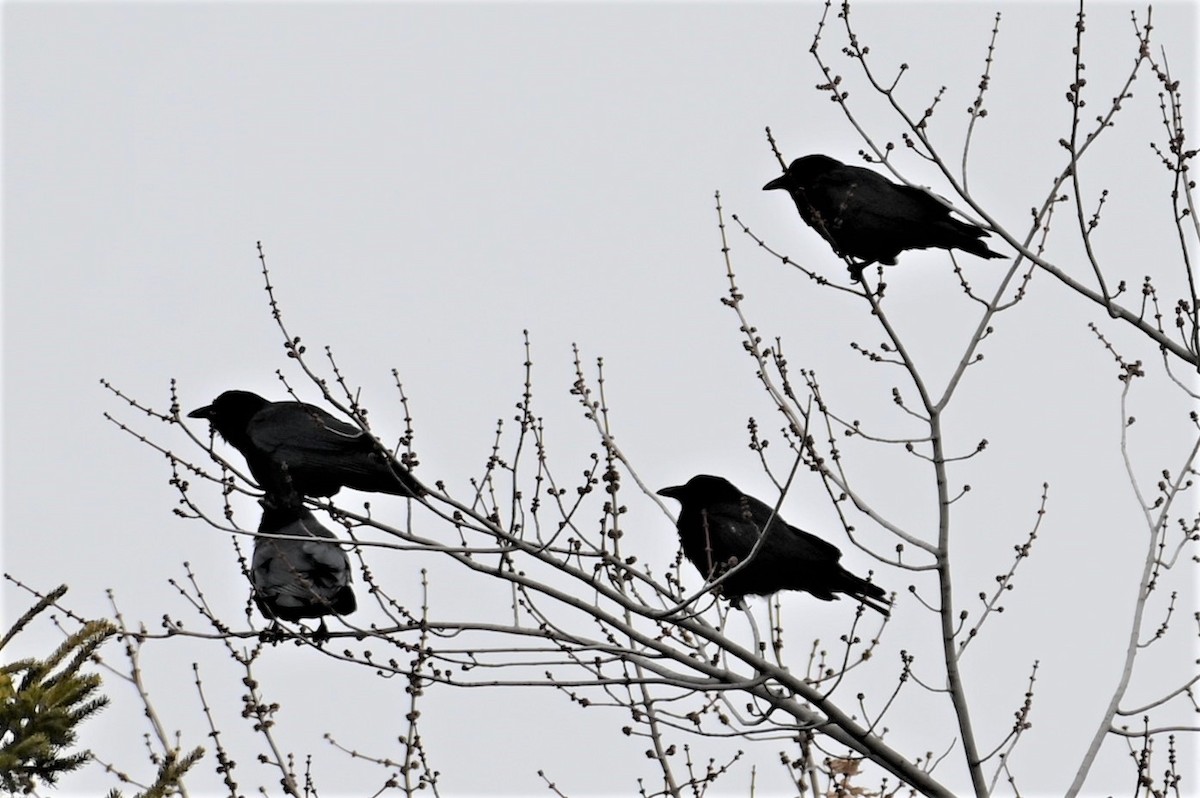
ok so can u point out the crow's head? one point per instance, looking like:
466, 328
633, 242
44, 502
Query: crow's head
230, 412
803, 172
703, 489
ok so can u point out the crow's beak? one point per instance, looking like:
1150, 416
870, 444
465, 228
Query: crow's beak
779, 182
671, 492
201, 412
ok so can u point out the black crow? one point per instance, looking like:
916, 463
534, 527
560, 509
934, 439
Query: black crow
296, 579
292, 446
719, 526
865, 216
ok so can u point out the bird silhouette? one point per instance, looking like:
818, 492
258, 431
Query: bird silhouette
719, 527
297, 447
869, 219
303, 578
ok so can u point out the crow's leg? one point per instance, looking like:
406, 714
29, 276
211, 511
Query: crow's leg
322, 634
273, 634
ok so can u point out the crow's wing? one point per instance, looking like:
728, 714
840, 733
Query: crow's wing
261, 564
278, 576
867, 203
732, 534
303, 429
327, 563
936, 207
300, 578
322, 453
798, 544
787, 540
298, 574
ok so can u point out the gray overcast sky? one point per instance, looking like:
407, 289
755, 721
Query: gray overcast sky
429, 180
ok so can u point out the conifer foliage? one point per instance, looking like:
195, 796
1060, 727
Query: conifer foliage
43, 702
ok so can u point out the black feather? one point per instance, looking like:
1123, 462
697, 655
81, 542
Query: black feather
296, 447
296, 579
868, 218
719, 527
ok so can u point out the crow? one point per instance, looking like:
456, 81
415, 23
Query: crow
292, 446
296, 579
719, 526
868, 218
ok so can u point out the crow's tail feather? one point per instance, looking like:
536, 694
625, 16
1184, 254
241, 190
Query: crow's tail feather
869, 594
967, 237
881, 607
411, 487
393, 479
976, 247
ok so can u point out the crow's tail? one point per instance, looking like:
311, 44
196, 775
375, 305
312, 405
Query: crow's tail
967, 238
871, 595
978, 248
369, 474
404, 483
